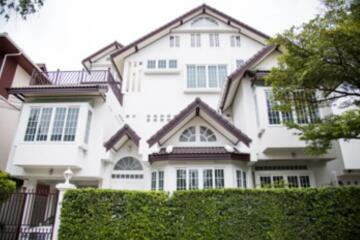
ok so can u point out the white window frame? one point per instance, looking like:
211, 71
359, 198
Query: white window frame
195, 40
207, 87
155, 183
201, 176
235, 41
214, 40
285, 175
174, 41
243, 178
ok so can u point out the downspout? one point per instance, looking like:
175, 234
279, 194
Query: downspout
5, 58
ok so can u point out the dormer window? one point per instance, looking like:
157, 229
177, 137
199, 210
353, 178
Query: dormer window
174, 41
188, 135
207, 135
195, 40
235, 41
193, 134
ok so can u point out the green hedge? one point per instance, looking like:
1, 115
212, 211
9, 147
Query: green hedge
326, 213
7, 186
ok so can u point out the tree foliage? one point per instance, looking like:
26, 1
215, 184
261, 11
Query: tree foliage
7, 186
22, 7
322, 57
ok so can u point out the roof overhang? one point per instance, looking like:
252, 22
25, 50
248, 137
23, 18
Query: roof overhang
199, 109
118, 57
233, 81
55, 91
198, 154
125, 134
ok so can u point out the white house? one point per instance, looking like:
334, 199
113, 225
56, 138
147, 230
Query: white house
183, 107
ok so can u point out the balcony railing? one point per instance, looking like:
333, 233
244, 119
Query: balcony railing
71, 77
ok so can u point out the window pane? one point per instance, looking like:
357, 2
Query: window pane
222, 75
172, 41
153, 181
44, 124
32, 124
237, 41
191, 76
162, 64
128, 164
265, 182
192, 40
238, 179
273, 115
219, 178
71, 124
232, 41
300, 108
304, 181
161, 180
211, 40
208, 178
151, 64
207, 135
312, 108
198, 40
217, 40
193, 179
239, 63
287, 116
212, 73
172, 63
177, 41
87, 129
188, 135
181, 179
244, 180
293, 181
58, 125
278, 181
201, 76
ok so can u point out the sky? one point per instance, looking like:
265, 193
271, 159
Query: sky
64, 32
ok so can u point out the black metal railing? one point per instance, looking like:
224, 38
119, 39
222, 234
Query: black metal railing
28, 215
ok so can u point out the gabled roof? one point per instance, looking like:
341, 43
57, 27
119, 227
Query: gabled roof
198, 153
120, 137
116, 45
202, 9
196, 108
233, 80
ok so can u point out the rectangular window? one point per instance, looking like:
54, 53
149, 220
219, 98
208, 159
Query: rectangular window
273, 115
71, 124
213, 76
181, 179
173, 63
193, 179
219, 178
235, 41
214, 40
162, 64
191, 76
153, 181
174, 41
265, 181
151, 64
161, 181
293, 182
278, 181
239, 63
195, 40
201, 76
244, 180
238, 179
222, 75
208, 178
58, 125
304, 181
87, 128
44, 124
32, 124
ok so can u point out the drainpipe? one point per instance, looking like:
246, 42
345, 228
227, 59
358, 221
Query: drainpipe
5, 58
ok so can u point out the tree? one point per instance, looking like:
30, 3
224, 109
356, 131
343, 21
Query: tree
23, 7
322, 58
7, 186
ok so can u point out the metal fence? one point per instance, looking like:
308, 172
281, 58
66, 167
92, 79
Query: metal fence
28, 215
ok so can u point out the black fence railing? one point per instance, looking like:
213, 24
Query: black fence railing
28, 215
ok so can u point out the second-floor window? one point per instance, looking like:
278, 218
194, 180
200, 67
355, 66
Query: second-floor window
301, 113
54, 124
214, 40
174, 41
162, 64
235, 41
202, 76
195, 40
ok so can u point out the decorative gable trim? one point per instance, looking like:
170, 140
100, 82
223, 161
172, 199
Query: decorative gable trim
195, 107
125, 132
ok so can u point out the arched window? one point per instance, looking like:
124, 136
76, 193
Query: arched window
204, 22
188, 135
207, 135
128, 163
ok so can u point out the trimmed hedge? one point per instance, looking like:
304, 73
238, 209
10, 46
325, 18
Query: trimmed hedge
7, 186
325, 213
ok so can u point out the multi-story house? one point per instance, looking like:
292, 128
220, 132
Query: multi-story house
183, 107
15, 71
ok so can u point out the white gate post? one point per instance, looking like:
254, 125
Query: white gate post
62, 187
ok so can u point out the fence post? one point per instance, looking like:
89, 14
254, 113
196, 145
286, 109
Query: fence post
62, 188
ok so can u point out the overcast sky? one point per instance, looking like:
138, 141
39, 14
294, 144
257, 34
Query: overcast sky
66, 31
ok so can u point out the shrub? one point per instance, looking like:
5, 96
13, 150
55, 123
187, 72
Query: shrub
7, 186
325, 213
